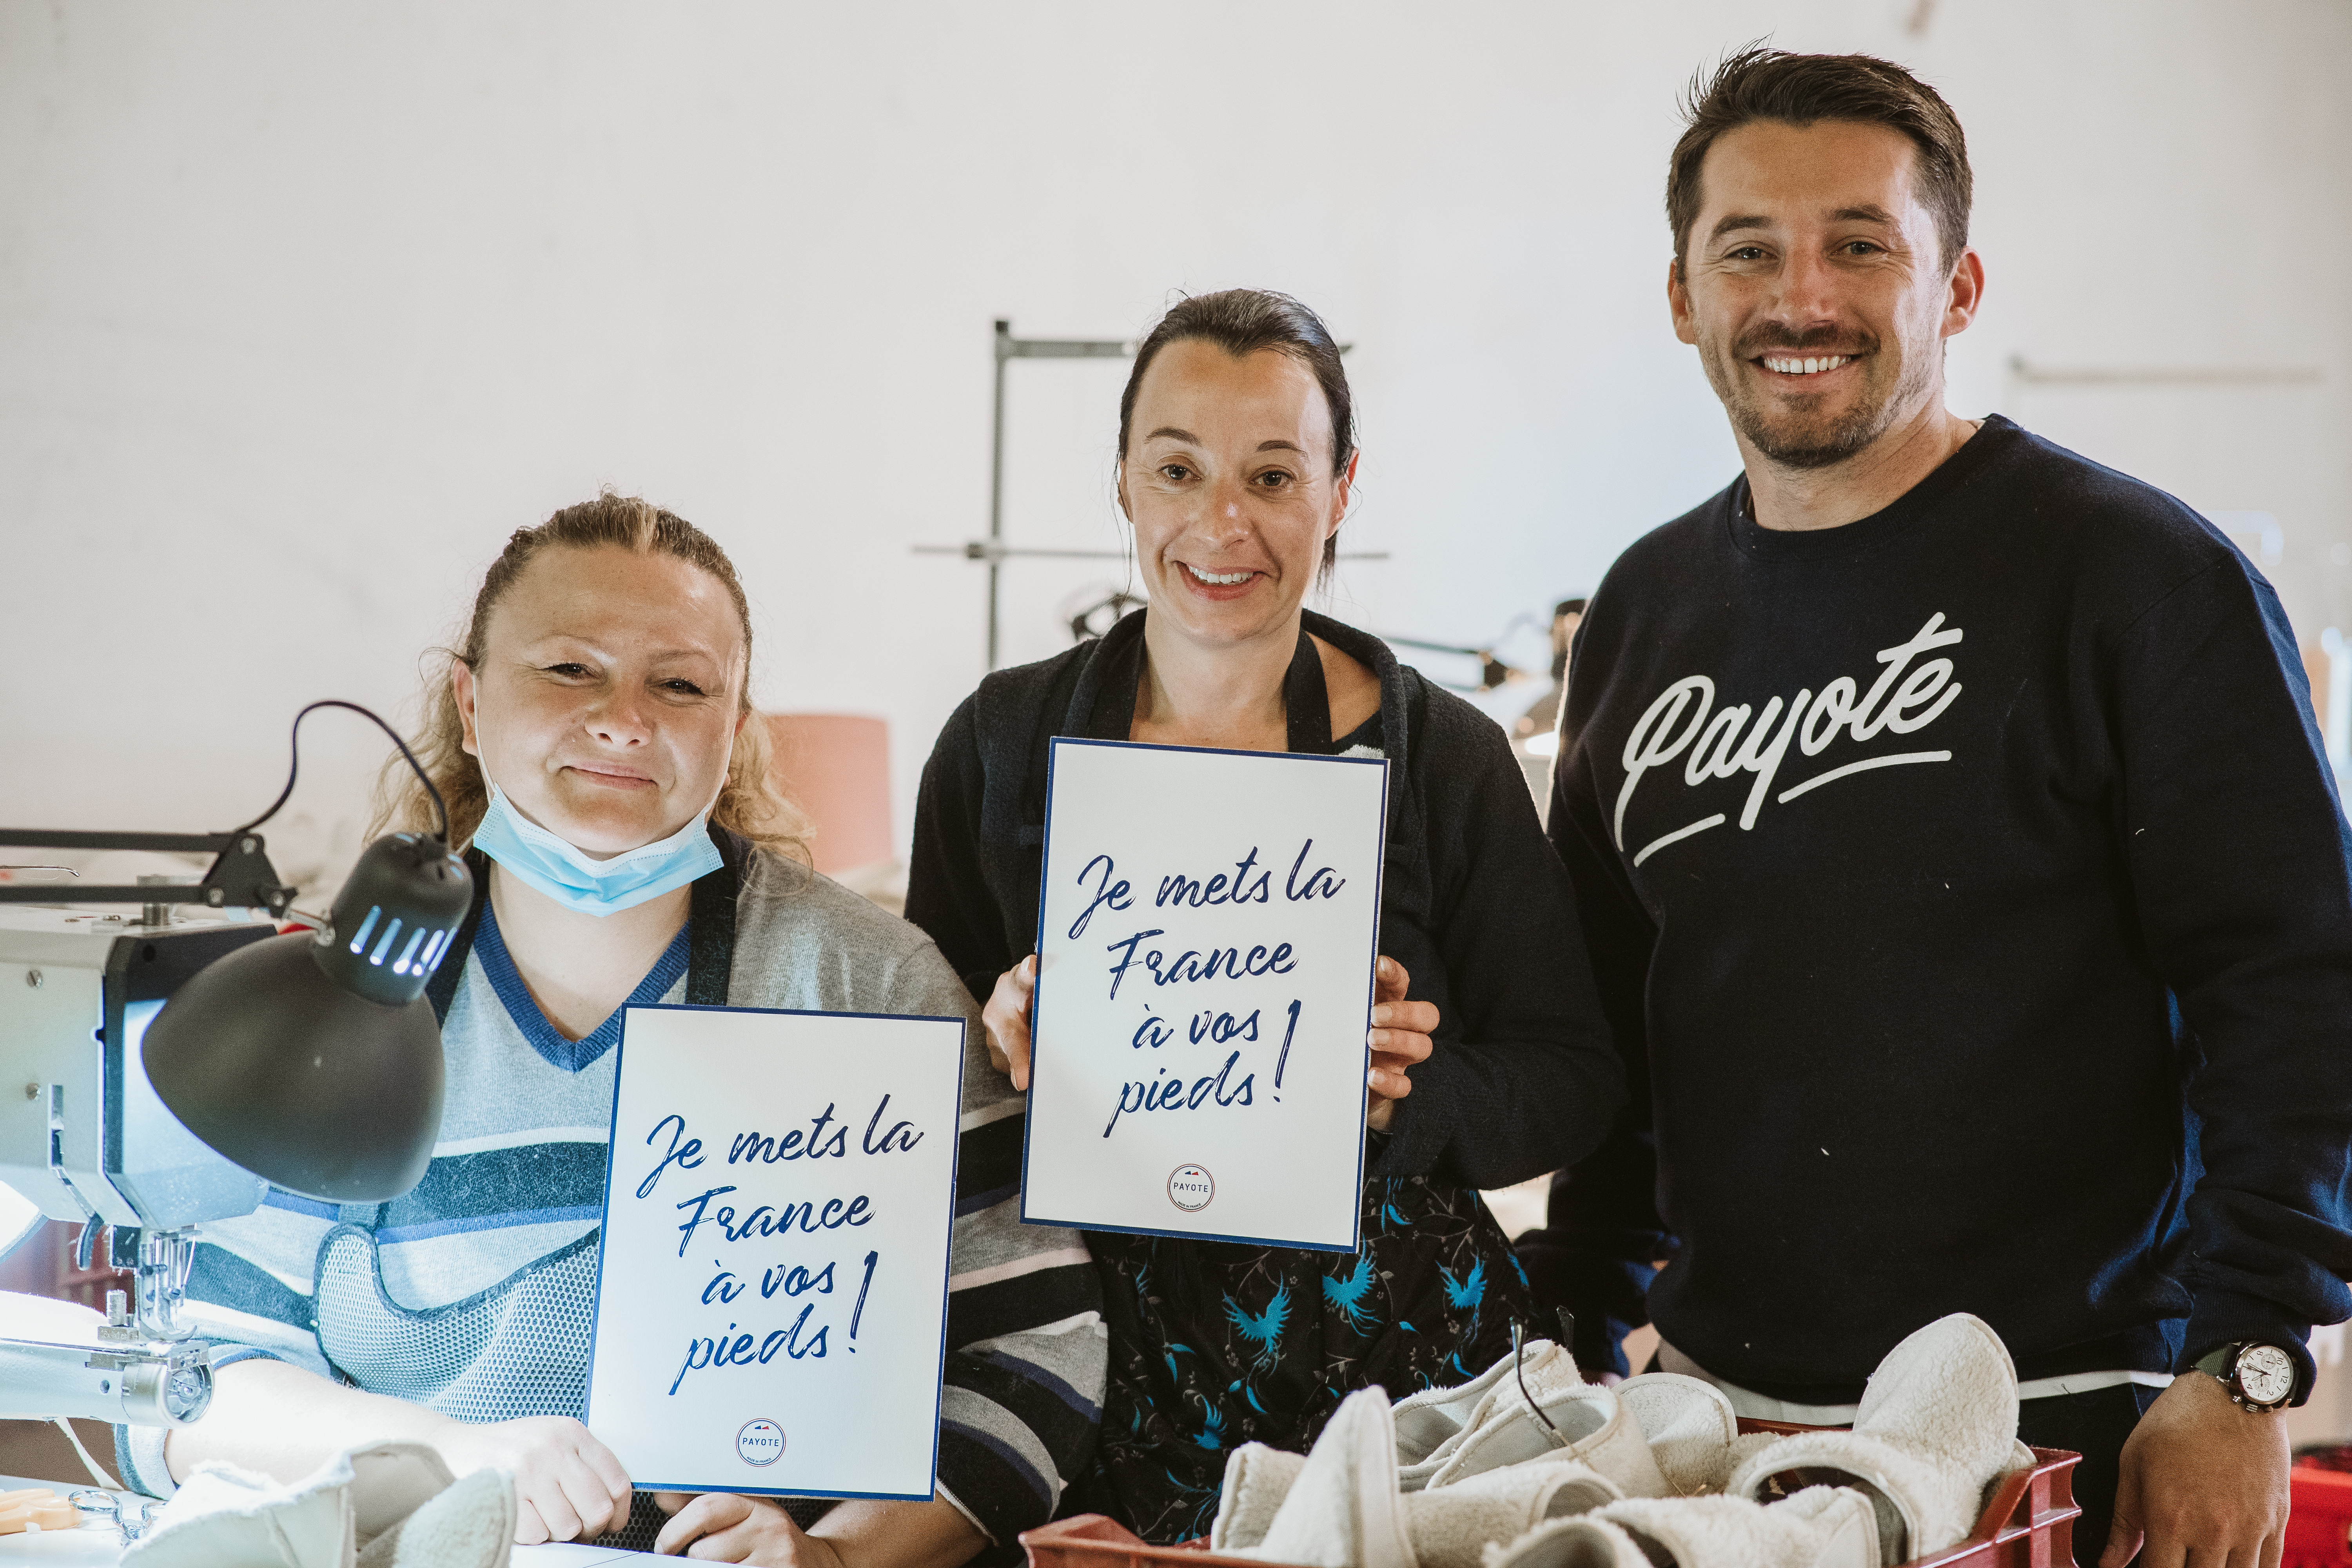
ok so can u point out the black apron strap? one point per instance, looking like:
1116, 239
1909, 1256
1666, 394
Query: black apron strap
1103, 706
710, 922
1306, 699
442, 989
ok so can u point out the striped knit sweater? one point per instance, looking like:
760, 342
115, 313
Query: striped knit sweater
473, 1294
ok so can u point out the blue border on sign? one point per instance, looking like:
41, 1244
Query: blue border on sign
1371, 989
947, 1268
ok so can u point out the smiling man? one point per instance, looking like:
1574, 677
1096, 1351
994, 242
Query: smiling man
1960, 869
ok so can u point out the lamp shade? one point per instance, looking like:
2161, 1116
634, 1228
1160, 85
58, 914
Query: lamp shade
836, 768
315, 1062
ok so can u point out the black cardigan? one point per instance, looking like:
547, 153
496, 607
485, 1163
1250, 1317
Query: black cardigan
1475, 905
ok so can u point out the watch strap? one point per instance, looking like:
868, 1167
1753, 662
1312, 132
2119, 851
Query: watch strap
2222, 1361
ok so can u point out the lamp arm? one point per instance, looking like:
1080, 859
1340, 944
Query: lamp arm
240, 875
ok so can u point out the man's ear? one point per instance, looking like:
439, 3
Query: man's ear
1966, 295
1678, 303
461, 684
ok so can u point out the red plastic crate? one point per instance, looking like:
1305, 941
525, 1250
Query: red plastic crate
2318, 1528
2028, 1522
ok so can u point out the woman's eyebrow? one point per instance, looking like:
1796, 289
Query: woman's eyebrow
550, 644
539, 648
1175, 435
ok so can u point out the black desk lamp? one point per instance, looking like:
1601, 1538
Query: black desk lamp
311, 1059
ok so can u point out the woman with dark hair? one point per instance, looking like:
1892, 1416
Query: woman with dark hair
1490, 1061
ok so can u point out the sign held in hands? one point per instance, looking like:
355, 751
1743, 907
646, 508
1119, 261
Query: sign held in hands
771, 1292
1205, 951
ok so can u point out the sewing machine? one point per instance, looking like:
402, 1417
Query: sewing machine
83, 1136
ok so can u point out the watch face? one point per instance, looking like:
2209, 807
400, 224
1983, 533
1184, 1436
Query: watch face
2265, 1374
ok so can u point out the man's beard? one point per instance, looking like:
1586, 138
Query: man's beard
1799, 441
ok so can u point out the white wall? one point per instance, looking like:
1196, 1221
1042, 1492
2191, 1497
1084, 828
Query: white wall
304, 306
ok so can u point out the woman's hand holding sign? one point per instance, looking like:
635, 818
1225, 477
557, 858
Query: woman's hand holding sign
568, 1485
1398, 1039
1006, 1019
725, 1527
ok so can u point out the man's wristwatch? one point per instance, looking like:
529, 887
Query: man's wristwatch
2259, 1376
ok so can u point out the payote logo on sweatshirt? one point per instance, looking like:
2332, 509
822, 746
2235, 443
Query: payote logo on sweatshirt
1722, 744
759, 1443
1189, 1188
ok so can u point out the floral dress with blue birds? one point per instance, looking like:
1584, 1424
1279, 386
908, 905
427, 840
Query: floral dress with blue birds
1215, 1344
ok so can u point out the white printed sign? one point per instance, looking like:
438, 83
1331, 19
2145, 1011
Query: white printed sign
771, 1294
1205, 949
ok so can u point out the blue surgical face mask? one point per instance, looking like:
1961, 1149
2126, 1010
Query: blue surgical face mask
572, 879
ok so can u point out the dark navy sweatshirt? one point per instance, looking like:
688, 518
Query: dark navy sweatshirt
1968, 891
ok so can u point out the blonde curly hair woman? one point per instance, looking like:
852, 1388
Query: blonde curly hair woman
595, 742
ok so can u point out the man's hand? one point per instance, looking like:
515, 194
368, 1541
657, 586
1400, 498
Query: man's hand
2204, 1482
1399, 1038
721, 1527
1006, 1019
568, 1485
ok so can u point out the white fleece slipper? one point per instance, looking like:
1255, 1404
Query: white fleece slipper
1434, 1418
1344, 1511
1937, 1425
1744, 1448
1570, 1543
390, 1481
1451, 1527
1256, 1481
1690, 1425
225, 1517
387, 1505
1588, 1425
1549, 1372
468, 1524
1819, 1527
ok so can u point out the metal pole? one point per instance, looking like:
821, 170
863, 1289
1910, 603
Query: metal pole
996, 483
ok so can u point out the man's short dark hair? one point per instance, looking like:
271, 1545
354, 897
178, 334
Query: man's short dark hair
1760, 83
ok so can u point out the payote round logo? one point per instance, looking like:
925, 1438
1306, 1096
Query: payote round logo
1191, 1187
759, 1443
